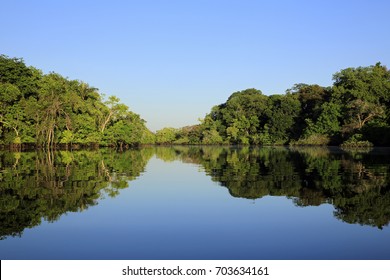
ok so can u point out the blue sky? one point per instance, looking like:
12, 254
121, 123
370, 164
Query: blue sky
171, 61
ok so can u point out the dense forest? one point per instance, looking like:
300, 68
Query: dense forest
48, 110
354, 112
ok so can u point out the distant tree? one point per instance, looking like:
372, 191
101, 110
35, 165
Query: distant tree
166, 135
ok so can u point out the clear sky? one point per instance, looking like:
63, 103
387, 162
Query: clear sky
171, 61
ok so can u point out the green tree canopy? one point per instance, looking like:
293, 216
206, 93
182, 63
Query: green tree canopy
51, 109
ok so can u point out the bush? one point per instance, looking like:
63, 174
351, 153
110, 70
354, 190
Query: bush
312, 140
356, 141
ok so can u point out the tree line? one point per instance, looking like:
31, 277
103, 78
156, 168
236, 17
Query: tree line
354, 111
50, 110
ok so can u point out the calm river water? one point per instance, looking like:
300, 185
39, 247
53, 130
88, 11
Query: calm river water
196, 203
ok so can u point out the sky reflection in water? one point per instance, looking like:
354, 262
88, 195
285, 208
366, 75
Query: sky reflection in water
196, 203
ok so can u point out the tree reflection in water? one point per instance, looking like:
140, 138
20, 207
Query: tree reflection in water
38, 185
355, 182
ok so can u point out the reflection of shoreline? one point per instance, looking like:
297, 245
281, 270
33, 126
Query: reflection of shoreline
356, 182
37, 185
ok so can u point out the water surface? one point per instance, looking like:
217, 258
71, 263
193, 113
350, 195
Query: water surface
196, 203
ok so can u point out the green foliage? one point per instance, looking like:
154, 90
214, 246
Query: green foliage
46, 110
211, 137
147, 136
312, 140
356, 141
370, 84
166, 135
285, 109
358, 102
14, 71
364, 94
50, 109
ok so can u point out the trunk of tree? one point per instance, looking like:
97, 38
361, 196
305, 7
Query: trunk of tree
105, 122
